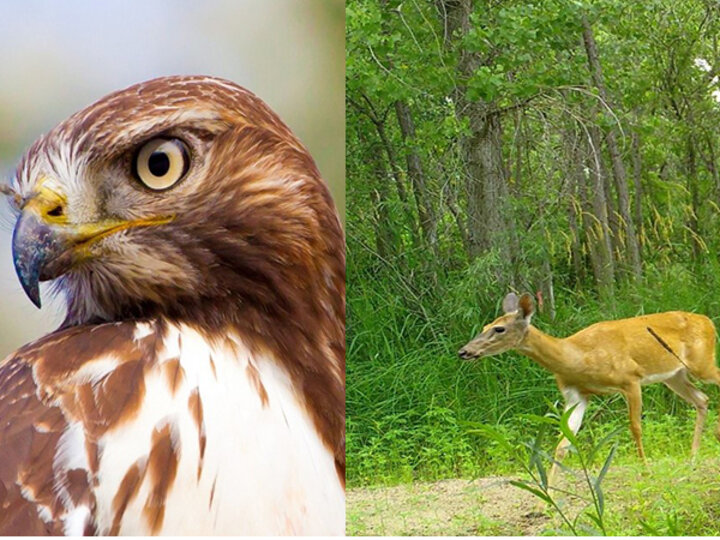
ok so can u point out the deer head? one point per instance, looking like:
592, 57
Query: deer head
504, 333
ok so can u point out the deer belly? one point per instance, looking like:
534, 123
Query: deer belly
660, 377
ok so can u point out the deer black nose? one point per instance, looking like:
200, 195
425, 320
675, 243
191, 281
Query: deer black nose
462, 353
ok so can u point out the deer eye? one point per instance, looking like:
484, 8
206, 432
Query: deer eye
499, 329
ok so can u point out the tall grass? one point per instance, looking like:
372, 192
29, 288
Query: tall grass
409, 398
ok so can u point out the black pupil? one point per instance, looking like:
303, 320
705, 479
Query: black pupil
499, 330
159, 163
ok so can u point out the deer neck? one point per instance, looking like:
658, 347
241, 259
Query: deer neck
550, 352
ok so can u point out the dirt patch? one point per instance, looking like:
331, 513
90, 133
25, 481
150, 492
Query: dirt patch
449, 507
669, 497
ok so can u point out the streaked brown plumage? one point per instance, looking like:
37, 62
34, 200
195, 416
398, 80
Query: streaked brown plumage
241, 260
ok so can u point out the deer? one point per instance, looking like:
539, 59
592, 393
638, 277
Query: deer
618, 356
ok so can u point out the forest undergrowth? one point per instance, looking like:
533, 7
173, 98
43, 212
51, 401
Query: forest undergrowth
412, 400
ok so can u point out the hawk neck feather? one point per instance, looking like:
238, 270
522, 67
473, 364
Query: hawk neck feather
146, 419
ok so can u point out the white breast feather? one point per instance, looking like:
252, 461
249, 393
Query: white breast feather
270, 471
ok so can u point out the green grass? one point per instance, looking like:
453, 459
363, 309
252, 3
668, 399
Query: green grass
674, 498
410, 399
442, 448
411, 402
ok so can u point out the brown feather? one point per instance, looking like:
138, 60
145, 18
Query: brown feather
128, 490
162, 469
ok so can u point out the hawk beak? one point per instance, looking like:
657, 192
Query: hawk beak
35, 244
46, 245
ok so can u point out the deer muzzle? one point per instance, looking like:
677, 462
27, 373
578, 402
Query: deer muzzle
465, 354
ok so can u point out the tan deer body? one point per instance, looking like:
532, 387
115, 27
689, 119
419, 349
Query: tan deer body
610, 357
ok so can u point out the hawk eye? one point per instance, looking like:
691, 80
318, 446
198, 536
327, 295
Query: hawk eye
161, 163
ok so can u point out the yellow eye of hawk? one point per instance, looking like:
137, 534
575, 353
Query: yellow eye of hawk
161, 163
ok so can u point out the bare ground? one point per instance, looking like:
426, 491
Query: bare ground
667, 493
449, 507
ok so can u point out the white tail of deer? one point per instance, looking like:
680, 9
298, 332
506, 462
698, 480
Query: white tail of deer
611, 356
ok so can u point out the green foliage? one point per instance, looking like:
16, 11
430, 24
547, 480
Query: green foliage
416, 294
672, 498
593, 497
409, 396
412, 305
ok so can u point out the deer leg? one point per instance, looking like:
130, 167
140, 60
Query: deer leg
713, 377
633, 395
573, 398
681, 385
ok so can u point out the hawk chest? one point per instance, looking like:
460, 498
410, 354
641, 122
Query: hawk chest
220, 443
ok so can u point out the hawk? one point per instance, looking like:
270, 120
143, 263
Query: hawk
197, 384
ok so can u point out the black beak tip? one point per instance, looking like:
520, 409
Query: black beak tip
27, 265
33, 293
29, 279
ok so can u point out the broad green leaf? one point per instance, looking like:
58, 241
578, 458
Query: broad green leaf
539, 494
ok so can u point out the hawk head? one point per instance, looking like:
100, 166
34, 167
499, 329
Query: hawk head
184, 202
181, 196
187, 199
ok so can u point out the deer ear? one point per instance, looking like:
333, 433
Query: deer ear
510, 303
526, 305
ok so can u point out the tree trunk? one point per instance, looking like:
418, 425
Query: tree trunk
618, 169
397, 175
418, 181
692, 185
712, 167
488, 225
597, 227
385, 236
520, 145
450, 195
548, 288
637, 176
574, 207
616, 237
486, 183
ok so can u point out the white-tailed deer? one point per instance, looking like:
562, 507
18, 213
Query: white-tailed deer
611, 356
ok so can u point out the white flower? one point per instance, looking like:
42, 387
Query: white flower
703, 64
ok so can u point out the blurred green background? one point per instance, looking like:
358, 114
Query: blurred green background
58, 57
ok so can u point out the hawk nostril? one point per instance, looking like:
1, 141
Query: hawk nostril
56, 212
